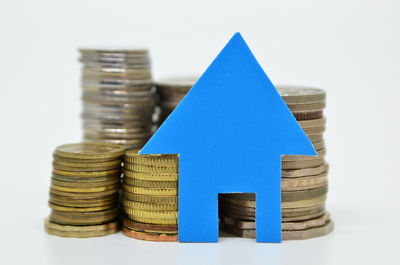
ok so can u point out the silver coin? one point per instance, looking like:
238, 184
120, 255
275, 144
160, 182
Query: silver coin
300, 94
114, 51
184, 81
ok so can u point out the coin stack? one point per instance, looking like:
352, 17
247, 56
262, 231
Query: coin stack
304, 179
150, 196
171, 91
118, 96
84, 190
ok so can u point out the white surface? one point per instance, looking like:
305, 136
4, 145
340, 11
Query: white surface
350, 48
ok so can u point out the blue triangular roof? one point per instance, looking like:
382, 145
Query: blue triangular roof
233, 107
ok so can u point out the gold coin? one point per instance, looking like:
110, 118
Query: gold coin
88, 199
92, 174
313, 162
150, 198
309, 233
80, 231
304, 183
82, 219
57, 158
106, 164
85, 169
314, 130
289, 212
148, 227
305, 171
60, 183
89, 204
307, 107
156, 160
321, 153
148, 191
300, 116
151, 214
304, 203
302, 225
149, 206
312, 123
302, 217
86, 180
83, 195
150, 169
289, 196
85, 189
289, 204
151, 176
315, 137
158, 237
150, 184
80, 209
171, 221
90, 151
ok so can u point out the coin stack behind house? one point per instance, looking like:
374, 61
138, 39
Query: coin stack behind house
84, 190
150, 196
118, 96
304, 179
171, 91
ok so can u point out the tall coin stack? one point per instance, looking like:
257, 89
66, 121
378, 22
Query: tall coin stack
304, 179
171, 91
150, 196
84, 190
118, 96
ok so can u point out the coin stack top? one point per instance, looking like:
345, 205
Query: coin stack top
304, 181
118, 96
150, 196
84, 190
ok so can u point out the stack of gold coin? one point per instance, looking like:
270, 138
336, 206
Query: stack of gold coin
118, 96
171, 91
304, 178
150, 196
84, 190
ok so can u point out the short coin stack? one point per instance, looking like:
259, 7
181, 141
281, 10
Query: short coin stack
118, 96
84, 190
150, 196
304, 178
171, 91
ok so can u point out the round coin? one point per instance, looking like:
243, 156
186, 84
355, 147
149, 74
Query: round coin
299, 94
150, 191
151, 176
149, 206
170, 160
87, 174
148, 227
150, 169
89, 151
150, 184
149, 237
80, 231
305, 171
150, 199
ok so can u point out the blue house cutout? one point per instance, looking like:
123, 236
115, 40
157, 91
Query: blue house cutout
230, 131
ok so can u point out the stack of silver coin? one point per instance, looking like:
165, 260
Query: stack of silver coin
118, 96
171, 91
304, 182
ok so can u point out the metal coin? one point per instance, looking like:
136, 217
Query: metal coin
89, 151
149, 237
299, 94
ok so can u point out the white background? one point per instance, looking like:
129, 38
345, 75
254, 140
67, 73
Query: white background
350, 48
